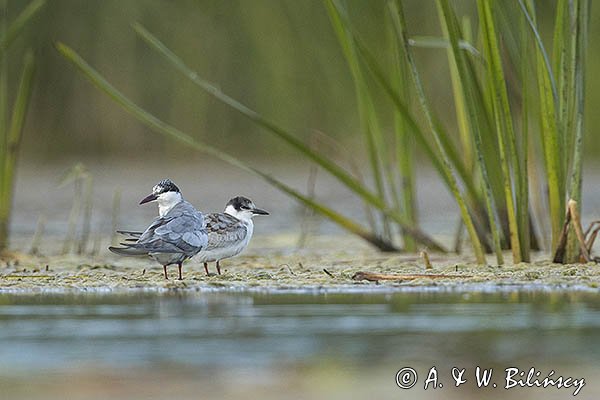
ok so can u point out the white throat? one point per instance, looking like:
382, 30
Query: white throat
166, 201
243, 215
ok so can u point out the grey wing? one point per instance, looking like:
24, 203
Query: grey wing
179, 232
132, 236
224, 230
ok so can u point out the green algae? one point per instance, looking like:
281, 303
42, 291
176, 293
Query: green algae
330, 265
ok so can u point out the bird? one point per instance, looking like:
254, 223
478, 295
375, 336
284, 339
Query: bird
229, 232
177, 234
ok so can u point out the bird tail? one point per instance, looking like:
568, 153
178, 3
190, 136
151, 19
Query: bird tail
128, 251
131, 233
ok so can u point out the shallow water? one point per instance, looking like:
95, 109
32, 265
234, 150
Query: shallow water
269, 343
209, 185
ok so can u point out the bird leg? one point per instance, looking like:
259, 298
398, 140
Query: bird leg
218, 268
179, 266
206, 268
165, 269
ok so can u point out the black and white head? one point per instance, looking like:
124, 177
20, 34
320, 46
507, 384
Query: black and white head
243, 208
166, 193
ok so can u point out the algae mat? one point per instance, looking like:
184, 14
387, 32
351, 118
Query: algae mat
329, 263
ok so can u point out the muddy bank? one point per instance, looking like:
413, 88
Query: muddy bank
329, 263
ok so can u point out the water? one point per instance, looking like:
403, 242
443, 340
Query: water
202, 184
291, 337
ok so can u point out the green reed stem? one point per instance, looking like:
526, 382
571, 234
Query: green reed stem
447, 166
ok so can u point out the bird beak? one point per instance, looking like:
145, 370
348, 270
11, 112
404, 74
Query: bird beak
258, 211
149, 198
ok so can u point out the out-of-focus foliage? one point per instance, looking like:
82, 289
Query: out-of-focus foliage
279, 56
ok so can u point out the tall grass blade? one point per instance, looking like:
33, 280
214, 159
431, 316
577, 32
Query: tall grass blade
350, 182
504, 126
564, 78
446, 164
460, 105
578, 62
464, 82
3, 118
12, 143
549, 130
525, 219
404, 141
417, 132
529, 12
366, 108
10, 135
565, 34
169, 131
304, 149
12, 31
433, 42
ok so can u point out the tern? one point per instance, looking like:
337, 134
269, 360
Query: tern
229, 232
177, 234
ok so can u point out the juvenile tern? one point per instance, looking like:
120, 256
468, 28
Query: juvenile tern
229, 232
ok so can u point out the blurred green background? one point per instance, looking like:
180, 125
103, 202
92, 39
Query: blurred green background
280, 57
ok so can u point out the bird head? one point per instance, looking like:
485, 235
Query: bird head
243, 208
166, 193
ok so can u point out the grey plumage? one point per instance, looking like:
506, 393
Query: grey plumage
171, 239
228, 232
224, 230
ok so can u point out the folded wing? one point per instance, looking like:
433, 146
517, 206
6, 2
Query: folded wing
224, 230
181, 230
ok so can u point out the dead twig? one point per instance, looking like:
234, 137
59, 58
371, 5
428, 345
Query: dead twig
286, 266
425, 257
328, 273
591, 226
375, 277
591, 238
37, 236
572, 217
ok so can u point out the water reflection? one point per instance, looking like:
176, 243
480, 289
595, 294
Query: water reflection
261, 330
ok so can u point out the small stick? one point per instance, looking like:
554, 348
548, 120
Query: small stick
591, 239
330, 274
559, 255
37, 236
425, 257
590, 226
283, 266
578, 230
374, 277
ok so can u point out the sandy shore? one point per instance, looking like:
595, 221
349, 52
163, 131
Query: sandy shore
327, 263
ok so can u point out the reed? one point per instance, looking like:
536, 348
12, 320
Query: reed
12, 121
81, 208
493, 137
165, 129
485, 165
